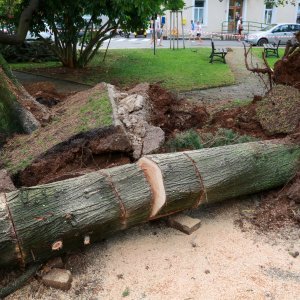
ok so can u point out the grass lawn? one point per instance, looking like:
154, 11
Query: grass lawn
180, 70
271, 60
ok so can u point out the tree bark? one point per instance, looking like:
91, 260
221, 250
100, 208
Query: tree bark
40, 222
14, 117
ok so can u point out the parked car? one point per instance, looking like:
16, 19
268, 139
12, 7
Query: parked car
272, 34
47, 34
140, 32
143, 32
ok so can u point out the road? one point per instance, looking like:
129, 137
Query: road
131, 43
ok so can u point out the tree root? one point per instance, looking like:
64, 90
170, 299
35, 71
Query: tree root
20, 281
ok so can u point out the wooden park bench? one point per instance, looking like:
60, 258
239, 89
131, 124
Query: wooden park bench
219, 53
271, 49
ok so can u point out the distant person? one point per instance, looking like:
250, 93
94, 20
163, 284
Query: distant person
192, 30
240, 29
161, 35
199, 31
236, 20
158, 31
238, 24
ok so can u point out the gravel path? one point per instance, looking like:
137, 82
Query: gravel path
247, 84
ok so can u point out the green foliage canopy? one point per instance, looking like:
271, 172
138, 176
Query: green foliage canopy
91, 23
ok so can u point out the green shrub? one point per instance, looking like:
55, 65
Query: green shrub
185, 140
36, 51
190, 140
225, 137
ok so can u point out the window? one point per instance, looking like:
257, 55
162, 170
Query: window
298, 14
281, 28
294, 28
199, 11
268, 12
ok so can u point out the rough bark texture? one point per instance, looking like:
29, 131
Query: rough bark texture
182, 184
13, 116
242, 169
43, 221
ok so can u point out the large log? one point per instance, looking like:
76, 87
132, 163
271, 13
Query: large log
43, 221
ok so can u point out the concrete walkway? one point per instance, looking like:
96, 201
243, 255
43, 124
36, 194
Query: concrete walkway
247, 84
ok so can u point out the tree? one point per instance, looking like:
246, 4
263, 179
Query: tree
90, 23
66, 20
47, 220
23, 24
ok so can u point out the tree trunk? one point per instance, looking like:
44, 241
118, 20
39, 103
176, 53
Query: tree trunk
14, 117
40, 222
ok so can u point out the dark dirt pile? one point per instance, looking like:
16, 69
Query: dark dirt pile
287, 71
280, 208
240, 119
83, 153
170, 113
45, 93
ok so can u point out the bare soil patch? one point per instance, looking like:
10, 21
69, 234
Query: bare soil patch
172, 113
279, 209
45, 93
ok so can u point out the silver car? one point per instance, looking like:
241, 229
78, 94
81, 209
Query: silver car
272, 34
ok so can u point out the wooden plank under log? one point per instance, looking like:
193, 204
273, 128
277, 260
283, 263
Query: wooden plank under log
39, 222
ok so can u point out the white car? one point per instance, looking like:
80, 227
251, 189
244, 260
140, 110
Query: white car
272, 34
47, 34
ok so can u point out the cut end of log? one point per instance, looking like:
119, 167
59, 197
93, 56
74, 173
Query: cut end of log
87, 240
155, 179
57, 245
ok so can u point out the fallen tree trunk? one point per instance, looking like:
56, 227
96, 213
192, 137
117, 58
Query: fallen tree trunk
14, 117
40, 222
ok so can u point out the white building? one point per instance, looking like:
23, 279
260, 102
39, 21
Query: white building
220, 15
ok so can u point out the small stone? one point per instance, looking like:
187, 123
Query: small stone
184, 223
58, 279
268, 294
194, 244
153, 139
206, 271
294, 253
55, 263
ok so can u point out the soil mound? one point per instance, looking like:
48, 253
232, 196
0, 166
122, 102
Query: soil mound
170, 113
279, 209
240, 119
85, 152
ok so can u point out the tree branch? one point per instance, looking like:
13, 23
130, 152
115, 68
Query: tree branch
267, 70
